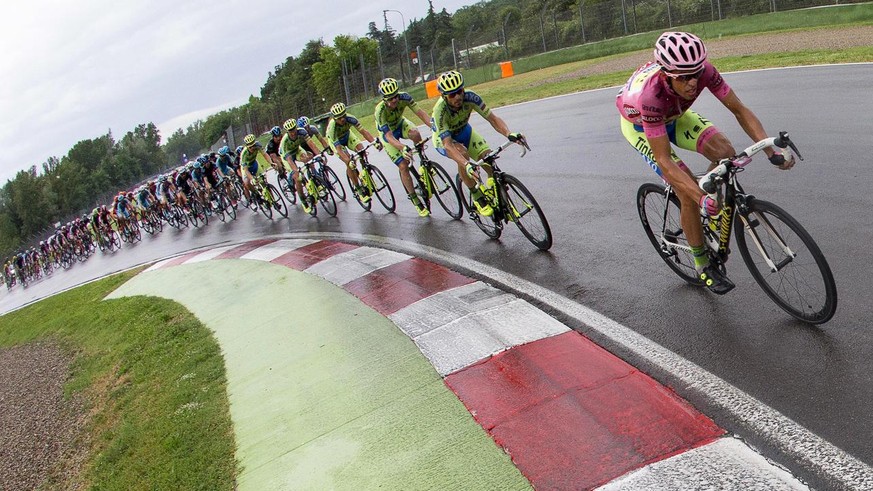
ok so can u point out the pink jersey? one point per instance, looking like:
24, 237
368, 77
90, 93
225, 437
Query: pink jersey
647, 100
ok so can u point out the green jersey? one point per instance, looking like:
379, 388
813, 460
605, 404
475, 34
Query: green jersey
290, 146
449, 122
388, 119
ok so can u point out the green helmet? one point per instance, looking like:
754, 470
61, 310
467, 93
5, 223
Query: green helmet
249, 140
338, 110
290, 125
450, 81
388, 88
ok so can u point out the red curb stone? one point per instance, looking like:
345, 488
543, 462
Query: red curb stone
314, 253
394, 287
573, 416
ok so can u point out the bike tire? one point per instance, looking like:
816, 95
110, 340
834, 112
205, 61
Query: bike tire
366, 205
278, 201
288, 189
445, 191
804, 285
490, 226
227, 206
327, 201
382, 189
522, 209
654, 212
333, 182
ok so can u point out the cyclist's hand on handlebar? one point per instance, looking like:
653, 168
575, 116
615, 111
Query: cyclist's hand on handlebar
378, 145
329, 151
778, 159
708, 205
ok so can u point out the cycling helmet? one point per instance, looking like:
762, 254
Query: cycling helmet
276, 131
680, 52
388, 88
202, 159
338, 110
450, 81
198, 164
303, 122
290, 125
249, 140
239, 149
223, 150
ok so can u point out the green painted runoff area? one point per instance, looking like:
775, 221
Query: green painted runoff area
326, 393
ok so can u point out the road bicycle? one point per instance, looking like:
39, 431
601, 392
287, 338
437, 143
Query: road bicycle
267, 197
323, 171
373, 179
431, 180
510, 200
316, 189
781, 255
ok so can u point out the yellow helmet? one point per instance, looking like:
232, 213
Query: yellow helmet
249, 140
338, 110
450, 82
290, 125
388, 88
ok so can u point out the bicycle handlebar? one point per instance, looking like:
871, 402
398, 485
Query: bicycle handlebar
524, 148
709, 181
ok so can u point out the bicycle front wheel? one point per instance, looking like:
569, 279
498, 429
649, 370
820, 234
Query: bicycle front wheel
445, 191
525, 212
660, 219
382, 189
288, 189
786, 262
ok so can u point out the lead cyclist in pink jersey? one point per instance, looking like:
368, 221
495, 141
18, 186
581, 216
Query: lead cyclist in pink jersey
655, 108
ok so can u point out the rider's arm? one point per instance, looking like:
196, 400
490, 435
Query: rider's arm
750, 123
311, 145
498, 124
425, 119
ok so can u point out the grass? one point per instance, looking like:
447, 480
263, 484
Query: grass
154, 382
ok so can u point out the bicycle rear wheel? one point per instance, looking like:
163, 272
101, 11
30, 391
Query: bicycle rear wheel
660, 220
489, 225
382, 189
325, 197
525, 212
445, 191
364, 204
797, 276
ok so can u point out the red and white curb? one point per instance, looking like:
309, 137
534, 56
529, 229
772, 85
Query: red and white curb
570, 414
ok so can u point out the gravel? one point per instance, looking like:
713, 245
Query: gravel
38, 426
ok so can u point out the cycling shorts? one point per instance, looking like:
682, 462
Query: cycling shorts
690, 132
402, 131
476, 145
350, 141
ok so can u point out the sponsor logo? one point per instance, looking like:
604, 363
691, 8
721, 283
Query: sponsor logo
653, 119
652, 109
725, 226
631, 111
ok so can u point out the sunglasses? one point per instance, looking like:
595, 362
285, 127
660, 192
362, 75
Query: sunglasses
453, 94
685, 77
392, 98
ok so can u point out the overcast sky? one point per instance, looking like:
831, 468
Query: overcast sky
72, 71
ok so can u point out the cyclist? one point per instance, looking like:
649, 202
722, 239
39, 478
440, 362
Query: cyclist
392, 126
453, 136
291, 149
248, 158
312, 131
272, 151
655, 108
340, 135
